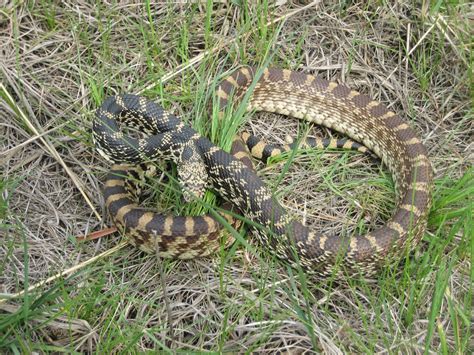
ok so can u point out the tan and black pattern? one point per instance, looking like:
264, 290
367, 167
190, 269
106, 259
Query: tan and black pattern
169, 236
304, 97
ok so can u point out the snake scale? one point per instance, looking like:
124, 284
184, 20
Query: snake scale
203, 165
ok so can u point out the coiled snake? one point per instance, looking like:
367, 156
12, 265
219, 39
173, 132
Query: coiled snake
201, 164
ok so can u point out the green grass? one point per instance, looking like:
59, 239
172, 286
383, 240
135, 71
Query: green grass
68, 59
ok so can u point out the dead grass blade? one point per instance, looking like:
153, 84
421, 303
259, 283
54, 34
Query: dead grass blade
49, 147
197, 59
66, 272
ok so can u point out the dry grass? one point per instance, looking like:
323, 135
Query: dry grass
59, 60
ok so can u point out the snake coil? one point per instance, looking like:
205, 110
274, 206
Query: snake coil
202, 165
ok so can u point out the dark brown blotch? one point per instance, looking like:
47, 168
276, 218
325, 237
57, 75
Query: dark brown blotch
385, 238
131, 218
115, 206
379, 110
275, 75
364, 249
240, 78
320, 84
415, 149
417, 197
113, 190
156, 225
227, 88
341, 91
361, 100
298, 78
406, 134
144, 237
393, 121
200, 225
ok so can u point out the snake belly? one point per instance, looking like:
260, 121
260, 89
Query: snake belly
301, 96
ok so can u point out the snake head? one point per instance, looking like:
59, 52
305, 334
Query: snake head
192, 173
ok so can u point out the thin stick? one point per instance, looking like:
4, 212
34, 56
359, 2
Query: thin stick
97, 234
66, 272
32, 139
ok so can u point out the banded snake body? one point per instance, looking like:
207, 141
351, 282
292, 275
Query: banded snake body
201, 164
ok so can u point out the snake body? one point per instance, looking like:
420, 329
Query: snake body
168, 235
201, 164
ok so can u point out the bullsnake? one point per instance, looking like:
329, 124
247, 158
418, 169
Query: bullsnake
202, 165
